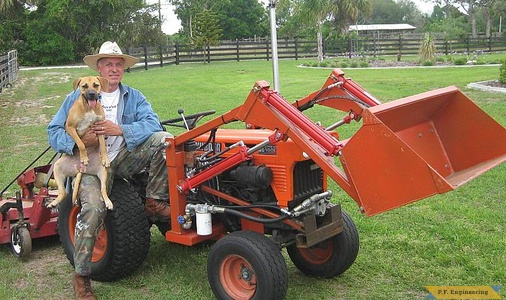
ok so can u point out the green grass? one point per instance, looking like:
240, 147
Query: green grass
451, 239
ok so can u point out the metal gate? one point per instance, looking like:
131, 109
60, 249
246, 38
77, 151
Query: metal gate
8, 69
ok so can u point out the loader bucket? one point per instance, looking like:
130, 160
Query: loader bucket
419, 146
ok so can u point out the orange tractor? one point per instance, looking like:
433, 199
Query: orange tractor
263, 188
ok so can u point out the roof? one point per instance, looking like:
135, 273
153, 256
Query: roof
381, 27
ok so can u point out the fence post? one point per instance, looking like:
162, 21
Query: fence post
237, 48
145, 57
208, 53
128, 51
490, 43
4, 72
468, 41
176, 48
400, 44
161, 55
296, 50
323, 47
349, 47
267, 48
446, 47
375, 40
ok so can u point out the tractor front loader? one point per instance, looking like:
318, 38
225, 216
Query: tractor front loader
263, 188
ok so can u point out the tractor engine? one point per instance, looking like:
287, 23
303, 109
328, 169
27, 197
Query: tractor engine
279, 175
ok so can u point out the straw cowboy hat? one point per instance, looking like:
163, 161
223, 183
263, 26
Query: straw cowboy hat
109, 49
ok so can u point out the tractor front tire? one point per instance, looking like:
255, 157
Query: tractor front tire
331, 257
123, 241
247, 265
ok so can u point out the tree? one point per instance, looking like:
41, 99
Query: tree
346, 12
187, 9
206, 29
385, 12
449, 21
339, 12
315, 12
242, 19
12, 22
6, 5
472, 9
238, 18
72, 29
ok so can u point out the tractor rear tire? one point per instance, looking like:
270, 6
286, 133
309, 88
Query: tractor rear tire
247, 265
122, 243
331, 257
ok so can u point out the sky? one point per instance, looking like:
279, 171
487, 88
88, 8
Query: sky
171, 24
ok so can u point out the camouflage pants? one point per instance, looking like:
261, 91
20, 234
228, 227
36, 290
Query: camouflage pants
150, 156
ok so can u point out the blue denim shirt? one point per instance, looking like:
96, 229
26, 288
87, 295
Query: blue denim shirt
135, 116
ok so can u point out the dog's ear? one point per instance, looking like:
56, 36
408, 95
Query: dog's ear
76, 83
104, 82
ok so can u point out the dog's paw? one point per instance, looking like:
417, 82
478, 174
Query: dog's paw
84, 160
106, 163
109, 205
52, 204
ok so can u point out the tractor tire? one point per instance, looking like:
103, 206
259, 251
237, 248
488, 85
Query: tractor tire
122, 243
247, 265
331, 257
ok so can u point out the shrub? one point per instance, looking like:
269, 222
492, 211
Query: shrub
427, 63
502, 72
427, 47
440, 59
460, 61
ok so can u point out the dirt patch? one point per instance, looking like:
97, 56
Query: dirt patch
21, 99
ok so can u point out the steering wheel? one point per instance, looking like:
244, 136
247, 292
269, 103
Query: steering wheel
191, 120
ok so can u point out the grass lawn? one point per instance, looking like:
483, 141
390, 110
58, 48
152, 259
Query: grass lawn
452, 239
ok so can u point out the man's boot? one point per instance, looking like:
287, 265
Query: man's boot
82, 287
157, 210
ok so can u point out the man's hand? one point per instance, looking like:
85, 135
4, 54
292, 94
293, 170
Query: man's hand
90, 138
106, 127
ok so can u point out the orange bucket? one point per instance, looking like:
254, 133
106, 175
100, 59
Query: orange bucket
419, 146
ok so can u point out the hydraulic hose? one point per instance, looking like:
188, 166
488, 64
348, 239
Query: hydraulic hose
254, 219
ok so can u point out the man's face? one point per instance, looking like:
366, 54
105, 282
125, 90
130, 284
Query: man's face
112, 69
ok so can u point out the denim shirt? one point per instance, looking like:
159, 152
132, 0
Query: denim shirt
136, 118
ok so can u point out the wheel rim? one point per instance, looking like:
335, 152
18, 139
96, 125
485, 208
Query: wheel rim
238, 277
100, 248
318, 254
16, 242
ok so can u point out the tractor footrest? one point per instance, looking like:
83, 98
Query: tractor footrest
321, 229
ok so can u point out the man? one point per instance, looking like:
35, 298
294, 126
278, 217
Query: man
134, 140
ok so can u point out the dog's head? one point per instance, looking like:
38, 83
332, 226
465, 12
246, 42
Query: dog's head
90, 88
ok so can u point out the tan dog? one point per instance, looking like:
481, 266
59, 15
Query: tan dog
92, 160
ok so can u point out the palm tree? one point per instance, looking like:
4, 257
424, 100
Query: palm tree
315, 12
346, 12
341, 12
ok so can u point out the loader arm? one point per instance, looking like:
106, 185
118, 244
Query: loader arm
341, 93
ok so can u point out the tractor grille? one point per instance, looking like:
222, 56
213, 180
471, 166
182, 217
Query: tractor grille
307, 181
